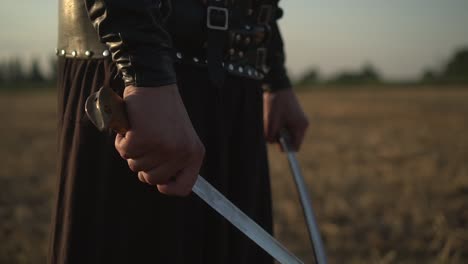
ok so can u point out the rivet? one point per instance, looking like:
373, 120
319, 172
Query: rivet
88, 53
105, 53
74, 53
238, 37
206, 61
247, 41
195, 59
56, 52
247, 27
249, 72
232, 51
241, 54
231, 67
63, 52
222, 64
179, 55
241, 70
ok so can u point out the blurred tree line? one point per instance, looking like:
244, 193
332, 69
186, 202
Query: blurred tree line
454, 71
16, 74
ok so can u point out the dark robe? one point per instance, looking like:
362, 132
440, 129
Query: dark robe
104, 214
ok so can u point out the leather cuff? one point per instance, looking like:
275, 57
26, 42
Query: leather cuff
148, 68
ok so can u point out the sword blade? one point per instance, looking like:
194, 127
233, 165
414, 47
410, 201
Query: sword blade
312, 226
245, 224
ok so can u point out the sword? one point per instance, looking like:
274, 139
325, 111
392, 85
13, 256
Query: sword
106, 110
314, 233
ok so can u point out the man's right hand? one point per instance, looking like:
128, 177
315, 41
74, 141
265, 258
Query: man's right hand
161, 145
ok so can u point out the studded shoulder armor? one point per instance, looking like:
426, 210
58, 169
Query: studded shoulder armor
77, 37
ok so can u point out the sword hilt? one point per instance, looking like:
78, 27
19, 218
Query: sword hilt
106, 110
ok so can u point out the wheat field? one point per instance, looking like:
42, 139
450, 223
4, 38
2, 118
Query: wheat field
387, 170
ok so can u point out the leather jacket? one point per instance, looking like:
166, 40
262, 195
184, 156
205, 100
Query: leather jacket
140, 41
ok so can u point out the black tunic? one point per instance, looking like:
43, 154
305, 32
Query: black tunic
105, 215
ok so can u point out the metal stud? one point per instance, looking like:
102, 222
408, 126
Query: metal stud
231, 67
238, 37
241, 54
248, 27
247, 41
74, 53
179, 55
195, 59
88, 53
241, 70
105, 53
63, 52
231, 52
249, 72
56, 52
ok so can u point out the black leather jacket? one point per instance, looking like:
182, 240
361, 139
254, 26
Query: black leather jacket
141, 45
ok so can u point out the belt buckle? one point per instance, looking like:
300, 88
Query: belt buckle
209, 18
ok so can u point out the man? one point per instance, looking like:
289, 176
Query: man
191, 73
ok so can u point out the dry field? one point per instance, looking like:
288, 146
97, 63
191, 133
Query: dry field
387, 169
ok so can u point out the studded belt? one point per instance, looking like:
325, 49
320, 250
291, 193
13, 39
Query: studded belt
244, 56
232, 67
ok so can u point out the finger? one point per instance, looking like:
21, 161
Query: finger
183, 183
273, 128
145, 163
126, 146
298, 136
121, 145
161, 174
141, 178
118, 143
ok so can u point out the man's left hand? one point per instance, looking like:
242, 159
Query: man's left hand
281, 110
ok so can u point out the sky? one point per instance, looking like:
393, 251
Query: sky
399, 37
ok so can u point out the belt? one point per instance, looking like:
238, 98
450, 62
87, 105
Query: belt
231, 47
231, 67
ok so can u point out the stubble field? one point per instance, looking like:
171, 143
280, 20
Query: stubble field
387, 170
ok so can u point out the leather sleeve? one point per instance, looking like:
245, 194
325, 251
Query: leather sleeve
277, 78
133, 31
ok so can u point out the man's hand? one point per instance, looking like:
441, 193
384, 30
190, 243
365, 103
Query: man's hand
161, 145
281, 110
